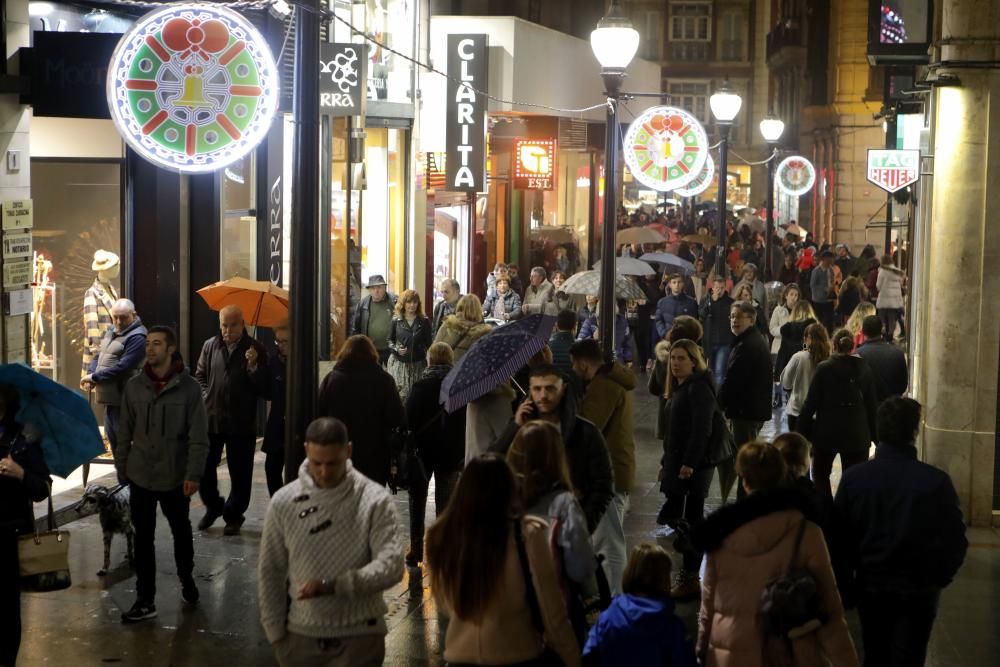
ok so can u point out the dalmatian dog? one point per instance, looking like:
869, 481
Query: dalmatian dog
112, 507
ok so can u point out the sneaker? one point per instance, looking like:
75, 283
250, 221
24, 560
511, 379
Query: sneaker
140, 611
685, 586
233, 527
413, 558
189, 591
209, 519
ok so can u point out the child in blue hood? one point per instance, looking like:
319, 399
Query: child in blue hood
640, 627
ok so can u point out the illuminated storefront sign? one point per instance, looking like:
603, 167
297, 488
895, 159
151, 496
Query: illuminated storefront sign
665, 148
192, 87
342, 79
795, 175
699, 184
534, 164
893, 170
465, 130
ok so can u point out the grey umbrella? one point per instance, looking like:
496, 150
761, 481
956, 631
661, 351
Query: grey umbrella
589, 283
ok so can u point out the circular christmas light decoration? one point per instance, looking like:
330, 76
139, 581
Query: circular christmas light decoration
192, 87
665, 148
795, 175
701, 181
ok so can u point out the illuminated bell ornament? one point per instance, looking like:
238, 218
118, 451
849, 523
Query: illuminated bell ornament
192, 87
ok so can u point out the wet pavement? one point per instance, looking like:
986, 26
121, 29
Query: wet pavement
81, 626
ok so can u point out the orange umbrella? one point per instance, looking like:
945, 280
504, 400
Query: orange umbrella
263, 304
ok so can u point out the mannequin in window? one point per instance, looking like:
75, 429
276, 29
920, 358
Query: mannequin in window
97, 303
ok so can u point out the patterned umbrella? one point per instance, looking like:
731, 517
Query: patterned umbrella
669, 260
589, 283
493, 359
629, 266
639, 235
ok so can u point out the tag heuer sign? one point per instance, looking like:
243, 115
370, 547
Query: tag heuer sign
893, 170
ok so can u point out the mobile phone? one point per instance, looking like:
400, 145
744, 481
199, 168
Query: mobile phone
532, 408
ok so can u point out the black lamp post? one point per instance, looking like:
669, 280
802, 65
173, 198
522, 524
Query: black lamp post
614, 43
770, 128
725, 105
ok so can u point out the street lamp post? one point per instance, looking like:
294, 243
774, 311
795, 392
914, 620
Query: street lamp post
770, 128
725, 105
614, 43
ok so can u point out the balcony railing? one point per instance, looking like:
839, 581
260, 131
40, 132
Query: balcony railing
786, 34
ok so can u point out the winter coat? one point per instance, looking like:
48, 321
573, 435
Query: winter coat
274, 430
623, 335
779, 317
440, 435
559, 343
689, 427
888, 364
360, 323
229, 387
821, 282
569, 537
796, 377
486, 418
670, 307
714, 317
849, 299
16, 496
890, 287
506, 635
587, 456
162, 436
897, 525
585, 313
121, 357
363, 396
539, 299
657, 385
607, 402
511, 303
748, 544
460, 334
638, 630
746, 393
442, 309
415, 337
793, 336
839, 411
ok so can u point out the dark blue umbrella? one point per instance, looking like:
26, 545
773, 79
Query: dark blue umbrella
61, 416
494, 359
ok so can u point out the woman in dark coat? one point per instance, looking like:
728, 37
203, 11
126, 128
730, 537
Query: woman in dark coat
684, 477
838, 416
793, 334
24, 479
361, 394
274, 432
440, 440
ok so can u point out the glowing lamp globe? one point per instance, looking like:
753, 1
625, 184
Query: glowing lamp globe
771, 128
614, 41
725, 103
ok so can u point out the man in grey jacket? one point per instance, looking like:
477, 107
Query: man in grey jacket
162, 447
330, 547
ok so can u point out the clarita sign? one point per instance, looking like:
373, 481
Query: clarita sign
466, 117
893, 170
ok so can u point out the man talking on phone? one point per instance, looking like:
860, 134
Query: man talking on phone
586, 450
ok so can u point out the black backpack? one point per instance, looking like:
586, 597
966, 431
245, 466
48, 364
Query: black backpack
791, 605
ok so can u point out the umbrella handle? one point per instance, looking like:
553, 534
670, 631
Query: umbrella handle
519, 387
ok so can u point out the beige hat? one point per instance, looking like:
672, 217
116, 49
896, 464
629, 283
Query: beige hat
103, 260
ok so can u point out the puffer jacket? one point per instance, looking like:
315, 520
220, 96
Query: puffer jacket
607, 402
511, 303
748, 544
539, 299
890, 287
162, 436
460, 334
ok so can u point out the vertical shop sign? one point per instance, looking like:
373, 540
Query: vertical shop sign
342, 79
466, 113
275, 205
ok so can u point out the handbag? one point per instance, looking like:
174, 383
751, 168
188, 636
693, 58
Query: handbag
791, 605
43, 557
407, 467
721, 443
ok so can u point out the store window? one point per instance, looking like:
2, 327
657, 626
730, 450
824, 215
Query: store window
392, 24
77, 212
238, 242
383, 207
345, 253
558, 220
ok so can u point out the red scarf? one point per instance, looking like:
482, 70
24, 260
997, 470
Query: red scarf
160, 382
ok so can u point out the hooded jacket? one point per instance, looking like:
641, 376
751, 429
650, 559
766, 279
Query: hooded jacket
460, 334
748, 544
636, 630
349, 535
587, 456
162, 436
607, 402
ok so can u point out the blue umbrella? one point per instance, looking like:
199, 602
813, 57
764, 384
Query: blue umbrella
494, 358
62, 416
669, 259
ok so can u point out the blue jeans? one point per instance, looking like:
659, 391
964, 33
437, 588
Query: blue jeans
718, 361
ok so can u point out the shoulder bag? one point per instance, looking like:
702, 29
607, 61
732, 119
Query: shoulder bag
791, 605
548, 658
721, 443
43, 557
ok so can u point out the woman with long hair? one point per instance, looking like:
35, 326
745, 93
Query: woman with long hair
793, 334
801, 368
561, 300
409, 338
684, 477
360, 393
857, 318
838, 415
852, 292
489, 568
463, 328
539, 463
780, 316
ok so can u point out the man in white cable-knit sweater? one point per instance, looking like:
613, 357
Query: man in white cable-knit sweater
330, 547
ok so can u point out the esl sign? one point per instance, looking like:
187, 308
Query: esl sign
893, 170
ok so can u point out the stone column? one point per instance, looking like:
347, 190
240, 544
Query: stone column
959, 339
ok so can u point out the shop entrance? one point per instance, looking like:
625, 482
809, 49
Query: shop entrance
448, 243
